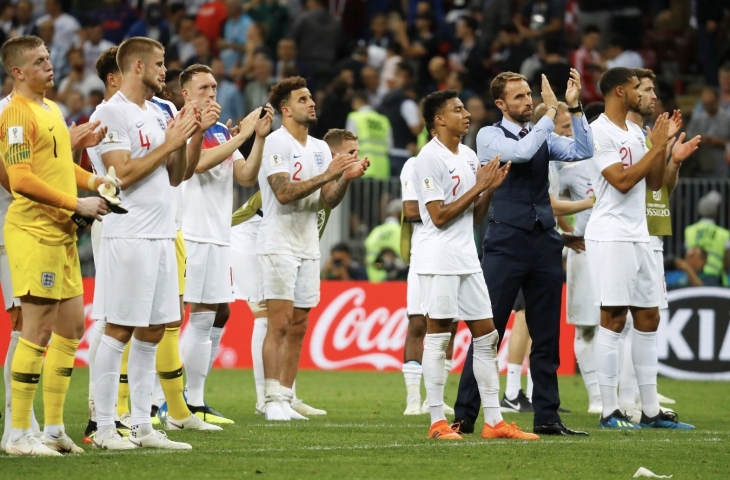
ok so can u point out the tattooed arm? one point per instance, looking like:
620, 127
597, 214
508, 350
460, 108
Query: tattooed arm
287, 191
334, 192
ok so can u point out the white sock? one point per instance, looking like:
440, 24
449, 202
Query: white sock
141, 373
196, 355
287, 394
529, 385
215, 343
628, 387
158, 395
260, 325
644, 354
584, 346
412, 373
486, 374
14, 337
607, 368
434, 373
294, 391
514, 380
272, 390
448, 365
95, 334
107, 364
53, 431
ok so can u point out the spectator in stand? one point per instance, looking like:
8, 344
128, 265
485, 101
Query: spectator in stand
233, 43
340, 265
420, 44
374, 135
714, 239
354, 63
379, 36
383, 240
286, 52
468, 56
94, 100
203, 54
274, 16
256, 91
255, 45
182, 48
65, 27
724, 77
23, 22
175, 13
597, 13
209, 21
58, 54
153, 25
8, 85
553, 65
172, 91
52, 95
318, 35
492, 15
94, 45
510, 50
405, 119
371, 83
229, 97
618, 55
693, 266
76, 108
479, 118
7, 13
117, 17
709, 16
540, 17
714, 126
78, 79
393, 58
334, 108
584, 60
457, 81
437, 72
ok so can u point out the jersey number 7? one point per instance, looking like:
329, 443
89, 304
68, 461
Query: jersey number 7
458, 181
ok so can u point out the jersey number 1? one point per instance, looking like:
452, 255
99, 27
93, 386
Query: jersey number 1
626, 153
144, 140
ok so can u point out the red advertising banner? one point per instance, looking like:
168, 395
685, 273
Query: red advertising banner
356, 326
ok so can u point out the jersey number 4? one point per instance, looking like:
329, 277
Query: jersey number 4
144, 140
626, 153
458, 181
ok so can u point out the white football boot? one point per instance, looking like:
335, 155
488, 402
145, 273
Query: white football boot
157, 439
303, 409
29, 445
61, 443
193, 422
111, 440
413, 405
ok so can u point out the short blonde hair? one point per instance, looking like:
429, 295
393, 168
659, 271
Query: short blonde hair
13, 50
337, 136
541, 110
136, 48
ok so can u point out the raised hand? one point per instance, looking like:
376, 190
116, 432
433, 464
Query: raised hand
682, 150
548, 96
356, 169
85, 136
181, 128
660, 134
248, 124
340, 162
675, 123
572, 92
209, 116
233, 129
486, 174
263, 124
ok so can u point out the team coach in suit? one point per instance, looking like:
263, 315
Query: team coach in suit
521, 247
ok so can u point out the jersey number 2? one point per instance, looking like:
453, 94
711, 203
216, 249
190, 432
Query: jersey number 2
144, 140
626, 153
458, 181
299, 167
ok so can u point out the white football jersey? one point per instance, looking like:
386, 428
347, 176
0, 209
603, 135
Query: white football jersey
208, 196
96, 164
6, 198
575, 178
170, 111
617, 217
138, 131
408, 193
291, 229
244, 235
441, 175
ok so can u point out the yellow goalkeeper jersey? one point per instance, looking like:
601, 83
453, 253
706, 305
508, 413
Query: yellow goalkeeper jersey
34, 135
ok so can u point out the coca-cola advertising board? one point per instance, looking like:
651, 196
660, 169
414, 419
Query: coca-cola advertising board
356, 326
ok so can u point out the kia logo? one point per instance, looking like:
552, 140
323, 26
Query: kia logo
693, 340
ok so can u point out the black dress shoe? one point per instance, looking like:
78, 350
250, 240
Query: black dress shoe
557, 429
462, 426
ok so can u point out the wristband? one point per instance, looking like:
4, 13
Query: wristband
556, 110
576, 109
92, 182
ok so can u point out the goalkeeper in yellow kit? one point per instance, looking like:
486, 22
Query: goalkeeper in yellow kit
41, 244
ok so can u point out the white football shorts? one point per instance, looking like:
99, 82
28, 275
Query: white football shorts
624, 274
459, 297
247, 282
209, 275
664, 302
581, 309
136, 282
414, 301
286, 277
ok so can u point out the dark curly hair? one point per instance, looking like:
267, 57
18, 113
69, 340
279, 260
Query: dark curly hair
281, 92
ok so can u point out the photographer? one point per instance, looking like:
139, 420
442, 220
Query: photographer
341, 267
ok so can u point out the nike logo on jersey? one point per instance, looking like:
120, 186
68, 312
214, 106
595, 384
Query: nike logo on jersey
297, 156
453, 170
624, 142
139, 124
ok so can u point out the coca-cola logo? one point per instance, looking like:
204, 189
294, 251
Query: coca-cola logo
348, 334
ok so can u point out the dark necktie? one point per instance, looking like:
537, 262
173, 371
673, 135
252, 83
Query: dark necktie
523, 132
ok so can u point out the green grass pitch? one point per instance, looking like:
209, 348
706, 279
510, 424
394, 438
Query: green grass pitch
365, 435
